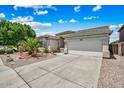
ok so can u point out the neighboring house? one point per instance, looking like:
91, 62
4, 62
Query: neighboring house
49, 42
54, 43
90, 40
121, 34
121, 41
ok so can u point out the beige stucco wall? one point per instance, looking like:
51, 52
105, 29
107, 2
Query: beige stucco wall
121, 37
53, 45
121, 48
105, 50
104, 39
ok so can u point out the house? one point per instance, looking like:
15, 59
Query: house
61, 37
54, 43
121, 41
65, 33
49, 42
89, 40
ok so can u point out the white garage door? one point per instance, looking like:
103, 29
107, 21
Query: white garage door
90, 45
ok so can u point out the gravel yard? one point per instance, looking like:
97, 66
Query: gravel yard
112, 73
20, 62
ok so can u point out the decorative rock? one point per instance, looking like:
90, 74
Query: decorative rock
12, 63
9, 59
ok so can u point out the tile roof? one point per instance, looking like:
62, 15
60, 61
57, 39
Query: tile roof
65, 32
86, 32
92, 31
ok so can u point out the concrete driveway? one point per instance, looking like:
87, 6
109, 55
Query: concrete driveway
9, 78
64, 71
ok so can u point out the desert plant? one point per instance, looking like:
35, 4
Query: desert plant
41, 49
29, 44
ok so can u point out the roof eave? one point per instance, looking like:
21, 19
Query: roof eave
121, 28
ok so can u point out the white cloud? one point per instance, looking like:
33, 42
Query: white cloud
77, 8
27, 6
41, 12
114, 27
36, 7
2, 15
38, 26
12, 14
97, 8
91, 17
49, 7
73, 21
61, 21
47, 33
115, 35
21, 19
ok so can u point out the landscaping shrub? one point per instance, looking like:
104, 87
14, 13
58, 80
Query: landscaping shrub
46, 51
30, 44
2, 51
6, 50
41, 49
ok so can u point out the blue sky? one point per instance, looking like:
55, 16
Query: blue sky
46, 19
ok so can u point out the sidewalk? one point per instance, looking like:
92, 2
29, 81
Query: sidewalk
9, 78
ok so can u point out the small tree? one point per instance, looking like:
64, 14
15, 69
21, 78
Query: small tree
29, 44
12, 33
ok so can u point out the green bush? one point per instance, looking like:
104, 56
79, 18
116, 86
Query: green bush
2, 51
6, 50
29, 44
10, 47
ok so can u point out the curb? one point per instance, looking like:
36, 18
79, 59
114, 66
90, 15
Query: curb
1, 63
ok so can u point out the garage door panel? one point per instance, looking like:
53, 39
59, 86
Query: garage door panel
85, 45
